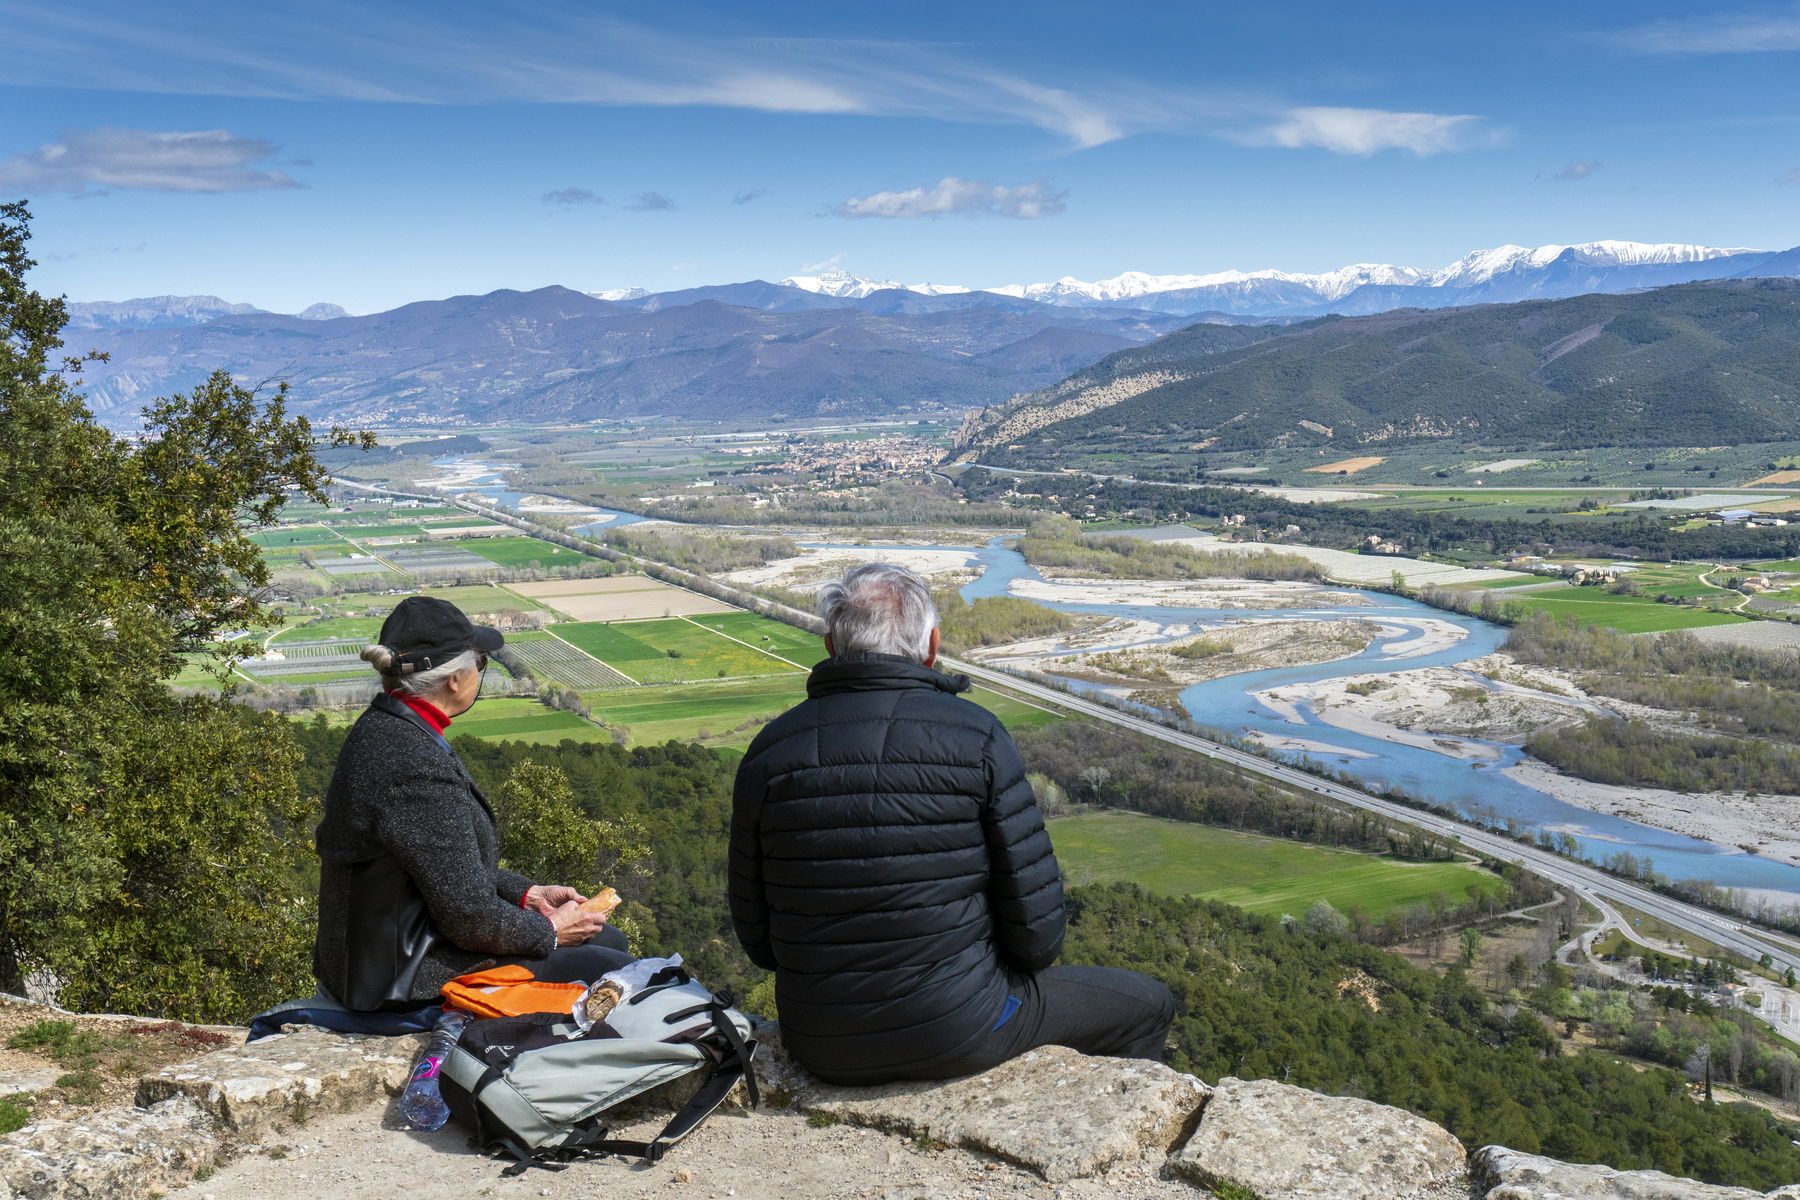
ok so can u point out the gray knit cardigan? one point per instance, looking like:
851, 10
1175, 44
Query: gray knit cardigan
400, 790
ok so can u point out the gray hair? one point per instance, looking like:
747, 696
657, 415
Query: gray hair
414, 683
879, 608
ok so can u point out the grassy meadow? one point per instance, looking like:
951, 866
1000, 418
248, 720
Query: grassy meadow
508, 719
1628, 614
1261, 874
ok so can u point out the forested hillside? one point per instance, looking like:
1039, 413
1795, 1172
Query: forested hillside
1704, 363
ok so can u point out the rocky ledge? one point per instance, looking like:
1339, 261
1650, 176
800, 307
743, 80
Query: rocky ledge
1059, 1114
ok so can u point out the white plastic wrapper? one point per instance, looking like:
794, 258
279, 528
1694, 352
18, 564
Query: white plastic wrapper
628, 979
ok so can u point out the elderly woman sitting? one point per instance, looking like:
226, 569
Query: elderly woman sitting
411, 892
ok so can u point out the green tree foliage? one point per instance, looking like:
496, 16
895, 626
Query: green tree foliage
1257, 1001
547, 837
700, 550
149, 840
994, 620
1130, 558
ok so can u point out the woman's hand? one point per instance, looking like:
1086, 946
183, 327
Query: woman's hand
573, 927
546, 898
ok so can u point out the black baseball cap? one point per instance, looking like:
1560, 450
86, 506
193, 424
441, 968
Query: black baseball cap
425, 632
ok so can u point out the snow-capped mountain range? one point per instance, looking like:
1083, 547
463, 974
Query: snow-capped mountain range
1471, 270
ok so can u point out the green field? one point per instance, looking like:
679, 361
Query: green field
302, 535
1014, 714
1261, 874
795, 645
1786, 566
1488, 585
520, 551
359, 533
1628, 614
363, 628
721, 714
512, 719
641, 649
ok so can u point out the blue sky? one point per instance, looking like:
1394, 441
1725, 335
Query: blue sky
282, 153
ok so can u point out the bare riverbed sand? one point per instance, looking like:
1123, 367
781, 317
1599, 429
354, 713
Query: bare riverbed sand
811, 569
1186, 593
1765, 825
1443, 708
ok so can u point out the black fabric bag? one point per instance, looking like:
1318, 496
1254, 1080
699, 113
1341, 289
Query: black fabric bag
398, 934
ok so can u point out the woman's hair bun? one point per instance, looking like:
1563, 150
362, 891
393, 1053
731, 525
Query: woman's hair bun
379, 657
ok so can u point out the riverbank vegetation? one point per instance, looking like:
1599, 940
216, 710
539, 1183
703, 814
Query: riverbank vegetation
1062, 548
997, 620
1744, 695
707, 551
1636, 753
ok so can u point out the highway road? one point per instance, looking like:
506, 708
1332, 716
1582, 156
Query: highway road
1714, 927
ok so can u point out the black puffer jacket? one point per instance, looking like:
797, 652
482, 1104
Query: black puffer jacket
889, 863
403, 820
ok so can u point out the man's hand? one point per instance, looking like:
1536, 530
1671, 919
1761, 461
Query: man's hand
573, 927
546, 898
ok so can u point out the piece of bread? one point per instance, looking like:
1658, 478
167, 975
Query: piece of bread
602, 902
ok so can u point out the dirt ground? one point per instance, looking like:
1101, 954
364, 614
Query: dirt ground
772, 1155
100, 1058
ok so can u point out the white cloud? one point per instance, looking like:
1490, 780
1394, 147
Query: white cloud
1577, 171
1365, 131
972, 197
204, 160
1737, 33
571, 196
829, 264
568, 52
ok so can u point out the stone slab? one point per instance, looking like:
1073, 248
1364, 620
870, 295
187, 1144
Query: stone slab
282, 1080
28, 1079
106, 1155
1286, 1143
1502, 1174
1063, 1114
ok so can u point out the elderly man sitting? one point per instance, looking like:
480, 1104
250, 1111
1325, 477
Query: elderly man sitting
889, 863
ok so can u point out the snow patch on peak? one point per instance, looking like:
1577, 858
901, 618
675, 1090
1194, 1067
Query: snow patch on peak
618, 294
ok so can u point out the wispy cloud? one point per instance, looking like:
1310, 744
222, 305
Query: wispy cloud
205, 160
743, 198
827, 264
1366, 131
971, 197
565, 52
1789, 177
571, 196
1722, 33
1577, 171
651, 202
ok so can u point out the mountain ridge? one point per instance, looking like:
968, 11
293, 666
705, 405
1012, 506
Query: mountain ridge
1707, 362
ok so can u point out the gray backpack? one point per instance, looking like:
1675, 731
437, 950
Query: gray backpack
538, 1086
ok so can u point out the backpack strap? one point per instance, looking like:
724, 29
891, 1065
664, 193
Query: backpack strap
712, 1093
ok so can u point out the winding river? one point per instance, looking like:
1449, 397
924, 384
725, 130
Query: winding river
1229, 704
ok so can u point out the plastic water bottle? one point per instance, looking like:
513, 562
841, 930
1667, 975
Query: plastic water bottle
422, 1104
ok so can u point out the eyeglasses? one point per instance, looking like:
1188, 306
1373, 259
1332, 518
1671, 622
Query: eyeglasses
481, 660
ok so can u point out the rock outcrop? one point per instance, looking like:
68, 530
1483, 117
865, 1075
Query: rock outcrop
1502, 1174
1285, 1141
1068, 1118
